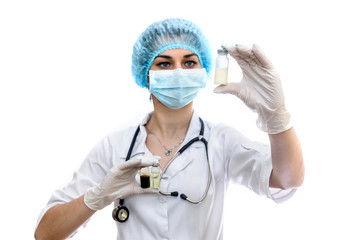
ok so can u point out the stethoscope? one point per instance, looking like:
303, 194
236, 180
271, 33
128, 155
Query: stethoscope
122, 213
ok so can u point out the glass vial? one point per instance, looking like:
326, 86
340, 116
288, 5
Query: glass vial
145, 177
221, 67
155, 177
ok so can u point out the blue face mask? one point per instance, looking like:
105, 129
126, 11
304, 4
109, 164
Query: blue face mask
177, 88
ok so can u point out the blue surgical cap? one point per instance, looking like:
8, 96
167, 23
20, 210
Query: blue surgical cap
164, 35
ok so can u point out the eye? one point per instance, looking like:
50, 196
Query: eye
163, 64
190, 63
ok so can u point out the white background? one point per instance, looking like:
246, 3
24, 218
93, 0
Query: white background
65, 82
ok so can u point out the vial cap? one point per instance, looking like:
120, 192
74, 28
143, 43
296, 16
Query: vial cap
222, 51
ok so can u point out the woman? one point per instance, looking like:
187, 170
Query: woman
172, 59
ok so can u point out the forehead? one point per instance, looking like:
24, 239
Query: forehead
176, 52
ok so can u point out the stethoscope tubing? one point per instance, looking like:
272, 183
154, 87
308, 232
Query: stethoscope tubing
183, 196
173, 194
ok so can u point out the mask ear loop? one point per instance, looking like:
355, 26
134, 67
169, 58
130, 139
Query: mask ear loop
148, 80
148, 85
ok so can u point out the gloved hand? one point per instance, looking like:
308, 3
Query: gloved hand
260, 88
119, 183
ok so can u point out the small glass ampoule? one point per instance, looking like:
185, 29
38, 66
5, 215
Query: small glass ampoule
145, 177
221, 67
155, 177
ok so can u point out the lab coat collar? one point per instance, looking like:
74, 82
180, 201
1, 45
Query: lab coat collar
194, 128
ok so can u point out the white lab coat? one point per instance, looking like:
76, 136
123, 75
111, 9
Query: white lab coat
232, 157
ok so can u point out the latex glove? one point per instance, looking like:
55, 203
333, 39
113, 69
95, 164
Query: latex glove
260, 88
119, 183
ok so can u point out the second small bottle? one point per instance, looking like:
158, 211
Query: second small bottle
155, 177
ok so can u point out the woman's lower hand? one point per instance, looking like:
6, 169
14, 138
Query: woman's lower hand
119, 183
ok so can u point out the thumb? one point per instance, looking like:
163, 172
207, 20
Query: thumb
235, 88
150, 190
139, 190
231, 88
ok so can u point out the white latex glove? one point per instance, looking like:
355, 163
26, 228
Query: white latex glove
119, 183
260, 88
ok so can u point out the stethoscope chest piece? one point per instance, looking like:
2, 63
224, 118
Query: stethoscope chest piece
120, 214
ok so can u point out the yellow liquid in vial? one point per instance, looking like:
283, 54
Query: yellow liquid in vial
155, 180
221, 76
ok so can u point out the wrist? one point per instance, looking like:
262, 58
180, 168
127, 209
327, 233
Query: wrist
274, 122
92, 200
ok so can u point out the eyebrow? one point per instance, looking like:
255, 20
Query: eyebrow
190, 55
169, 57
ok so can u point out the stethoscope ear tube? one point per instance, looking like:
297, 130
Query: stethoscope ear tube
183, 196
173, 194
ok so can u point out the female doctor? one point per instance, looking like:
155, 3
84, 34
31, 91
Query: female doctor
197, 159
